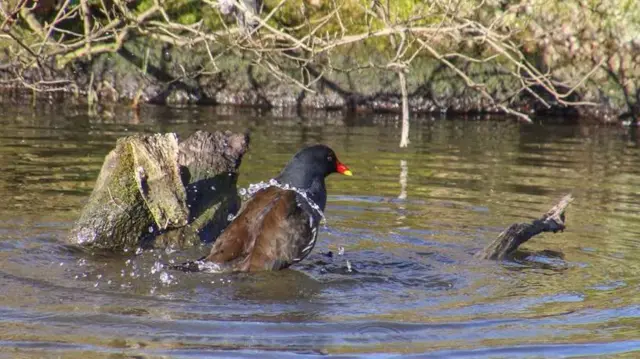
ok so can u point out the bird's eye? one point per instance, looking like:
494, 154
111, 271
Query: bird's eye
329, 158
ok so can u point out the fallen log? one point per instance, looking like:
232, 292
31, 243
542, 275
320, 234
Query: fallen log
153, 191
511, 238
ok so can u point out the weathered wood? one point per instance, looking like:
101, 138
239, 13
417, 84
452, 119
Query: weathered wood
158, 179
208, 164
511, 238
153, 191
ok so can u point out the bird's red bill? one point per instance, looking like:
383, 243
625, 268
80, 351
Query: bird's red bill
342, 169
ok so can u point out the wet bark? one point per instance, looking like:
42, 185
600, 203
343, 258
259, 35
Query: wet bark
153, 191
510, 239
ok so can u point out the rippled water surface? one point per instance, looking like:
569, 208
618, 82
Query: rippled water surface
409, 222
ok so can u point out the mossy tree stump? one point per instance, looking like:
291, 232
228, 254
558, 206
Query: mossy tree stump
153, 191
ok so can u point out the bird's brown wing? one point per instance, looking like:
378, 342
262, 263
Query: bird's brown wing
271, 232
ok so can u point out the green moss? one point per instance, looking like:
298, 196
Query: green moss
127, 190
144, 5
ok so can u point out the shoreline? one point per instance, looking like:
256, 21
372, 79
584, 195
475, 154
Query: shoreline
174, 80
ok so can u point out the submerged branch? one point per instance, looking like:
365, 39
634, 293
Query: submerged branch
511, 238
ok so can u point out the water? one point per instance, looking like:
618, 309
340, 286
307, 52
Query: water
302, 193
401, 277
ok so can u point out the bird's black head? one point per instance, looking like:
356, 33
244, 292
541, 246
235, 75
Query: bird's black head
311, 164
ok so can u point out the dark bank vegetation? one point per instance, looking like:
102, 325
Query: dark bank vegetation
518, 57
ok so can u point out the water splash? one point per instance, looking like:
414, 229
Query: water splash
86, 235
157, 267
209, 267
347, 261
166, 278
255, 187
252, 189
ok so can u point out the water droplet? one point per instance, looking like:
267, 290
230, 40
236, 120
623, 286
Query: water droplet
242, 191
95, 285
165, 278
139, 251
230, 217
150, 230
157, 267
213, 188
348, 266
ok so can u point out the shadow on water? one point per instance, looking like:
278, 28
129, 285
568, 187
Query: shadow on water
400, 277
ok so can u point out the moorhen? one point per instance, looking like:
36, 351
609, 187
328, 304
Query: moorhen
278, 226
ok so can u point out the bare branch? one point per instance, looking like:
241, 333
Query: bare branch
286, 45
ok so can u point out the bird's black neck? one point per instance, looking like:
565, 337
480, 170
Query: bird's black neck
313, 185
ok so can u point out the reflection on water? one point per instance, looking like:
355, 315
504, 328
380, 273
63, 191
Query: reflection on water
409, 222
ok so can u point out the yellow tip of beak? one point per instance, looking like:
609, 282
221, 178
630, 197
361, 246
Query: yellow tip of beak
347, 173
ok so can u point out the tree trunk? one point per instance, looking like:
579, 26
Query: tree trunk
154, 191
